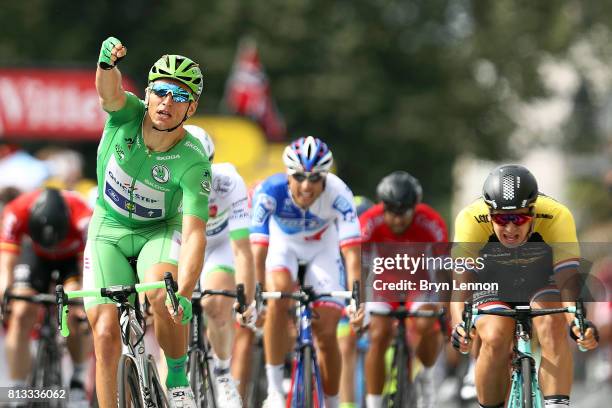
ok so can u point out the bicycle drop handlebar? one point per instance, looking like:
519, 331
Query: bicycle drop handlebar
118, 293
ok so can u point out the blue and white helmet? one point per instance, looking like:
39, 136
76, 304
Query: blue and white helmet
204, 138
307, 155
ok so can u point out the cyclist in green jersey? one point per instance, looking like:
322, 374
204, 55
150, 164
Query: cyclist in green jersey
154, 180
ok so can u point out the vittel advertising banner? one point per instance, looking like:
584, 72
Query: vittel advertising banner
51, 104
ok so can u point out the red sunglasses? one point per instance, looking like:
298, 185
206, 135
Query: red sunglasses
516, 219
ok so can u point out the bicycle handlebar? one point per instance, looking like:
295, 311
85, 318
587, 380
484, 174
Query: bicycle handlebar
401, 313
306, 295
118, 293
520, 312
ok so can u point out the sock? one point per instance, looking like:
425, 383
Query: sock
274, 373
557, 401
221, 366
348, 405
491, 406
332, 401
374, 401
78, 373
177, 376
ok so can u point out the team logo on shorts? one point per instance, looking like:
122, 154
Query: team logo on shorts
160, 173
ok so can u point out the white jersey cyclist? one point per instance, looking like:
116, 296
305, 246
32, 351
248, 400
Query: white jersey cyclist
229, 217
311, 236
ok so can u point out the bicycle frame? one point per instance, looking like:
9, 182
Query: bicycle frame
523, 351
305, 339
128, 316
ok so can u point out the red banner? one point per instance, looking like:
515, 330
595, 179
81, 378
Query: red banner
51, 104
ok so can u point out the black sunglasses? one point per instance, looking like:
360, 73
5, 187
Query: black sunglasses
312, 177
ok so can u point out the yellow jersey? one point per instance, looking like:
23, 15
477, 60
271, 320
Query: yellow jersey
553, 224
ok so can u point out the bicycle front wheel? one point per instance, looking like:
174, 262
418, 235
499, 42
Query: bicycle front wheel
200, 379
157, 395
128, 384
399, 367
307, 368
527, 377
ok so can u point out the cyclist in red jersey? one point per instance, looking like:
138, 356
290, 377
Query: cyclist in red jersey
400, 217
42, 232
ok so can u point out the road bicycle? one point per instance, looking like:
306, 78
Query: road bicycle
402, 392
138, 382
199, 355
525, 390
46, 369
306, 387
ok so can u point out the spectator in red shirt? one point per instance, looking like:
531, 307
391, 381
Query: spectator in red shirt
401, 218
43, 234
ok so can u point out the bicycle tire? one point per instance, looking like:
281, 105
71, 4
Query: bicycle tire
200, 379
526, 375
399, 361
307, 370
258, 384
128, 384
37, 379
156, 390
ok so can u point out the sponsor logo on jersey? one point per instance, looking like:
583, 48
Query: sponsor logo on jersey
223, 185
481, 218
194, 147
345, 208
155, 186
170, 157
160, 173
120, 152
212, 210
129, 141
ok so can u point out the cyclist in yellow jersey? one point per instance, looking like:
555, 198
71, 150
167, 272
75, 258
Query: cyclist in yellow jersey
510, 214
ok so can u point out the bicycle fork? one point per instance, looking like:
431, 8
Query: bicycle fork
298, 371
523, 351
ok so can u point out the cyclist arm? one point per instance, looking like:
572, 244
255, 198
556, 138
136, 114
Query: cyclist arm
243, 257
259, 261
352, 260
7, 266
191, 256
108, 83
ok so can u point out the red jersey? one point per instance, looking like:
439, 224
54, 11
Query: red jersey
15, 221
427, 226
378, 241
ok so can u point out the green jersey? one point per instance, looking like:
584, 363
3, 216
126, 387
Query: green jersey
139, 187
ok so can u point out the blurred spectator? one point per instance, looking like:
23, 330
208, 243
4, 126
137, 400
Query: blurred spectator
20, 170
66, 168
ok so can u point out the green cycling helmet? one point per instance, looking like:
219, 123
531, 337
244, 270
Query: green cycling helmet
181, 69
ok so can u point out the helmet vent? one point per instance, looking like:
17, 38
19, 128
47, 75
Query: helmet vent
508, 187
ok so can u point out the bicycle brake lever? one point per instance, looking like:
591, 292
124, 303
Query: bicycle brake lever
171, 286
241, 298
356, 296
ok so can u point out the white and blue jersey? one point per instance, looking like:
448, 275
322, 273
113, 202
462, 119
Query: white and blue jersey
312, 237
273, 201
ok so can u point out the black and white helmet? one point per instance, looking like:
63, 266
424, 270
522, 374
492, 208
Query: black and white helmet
510, 187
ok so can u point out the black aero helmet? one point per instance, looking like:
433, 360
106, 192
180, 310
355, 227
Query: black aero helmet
510, 187
399, 192
49, 218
